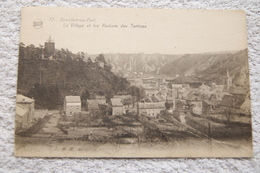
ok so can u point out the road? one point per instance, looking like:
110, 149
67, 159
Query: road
50, 128
36, 127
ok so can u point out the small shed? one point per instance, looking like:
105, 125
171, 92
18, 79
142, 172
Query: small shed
27, 103
21, 117
117, 106
72, 104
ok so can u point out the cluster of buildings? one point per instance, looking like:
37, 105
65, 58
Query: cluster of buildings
162, 95
118, 105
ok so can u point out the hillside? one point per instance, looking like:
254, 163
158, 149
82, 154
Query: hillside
137, 63
68, 77
210, 67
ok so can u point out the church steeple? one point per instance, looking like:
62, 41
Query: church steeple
228, 74
229, 80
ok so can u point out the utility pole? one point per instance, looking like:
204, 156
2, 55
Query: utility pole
137, 107
40, 77
209, 135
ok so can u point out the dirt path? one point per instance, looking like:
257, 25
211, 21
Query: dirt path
36, 127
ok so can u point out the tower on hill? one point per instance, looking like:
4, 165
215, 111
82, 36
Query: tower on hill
49, 48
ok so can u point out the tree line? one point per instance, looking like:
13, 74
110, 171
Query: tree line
48, 81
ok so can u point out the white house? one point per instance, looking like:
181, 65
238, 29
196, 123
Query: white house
117, 106
151, 109
24, 112
72, 104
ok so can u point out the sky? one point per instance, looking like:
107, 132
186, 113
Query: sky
149, 31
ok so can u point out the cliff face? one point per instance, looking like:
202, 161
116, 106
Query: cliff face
140, 63
204, 67
211, 67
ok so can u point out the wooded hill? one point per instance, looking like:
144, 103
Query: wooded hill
49, 81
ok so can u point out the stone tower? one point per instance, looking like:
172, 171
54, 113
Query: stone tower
49, 48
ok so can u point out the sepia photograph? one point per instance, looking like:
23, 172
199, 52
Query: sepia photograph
133, 83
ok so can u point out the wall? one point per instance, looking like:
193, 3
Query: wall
72, 108
117, 110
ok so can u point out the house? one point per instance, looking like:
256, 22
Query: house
21, 118
148, 80
24, 112
72, 104
117, 106
135, 81
160, 97
170, 102
204, 88
233, 102
151, 91
176, 86
123, 97
127, 100
151, 109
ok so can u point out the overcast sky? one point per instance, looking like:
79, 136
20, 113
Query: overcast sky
166, 31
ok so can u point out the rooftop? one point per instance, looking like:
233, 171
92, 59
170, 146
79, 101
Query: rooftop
152, 105
73, 99
93, 104
116, 102
21, 110
23, 99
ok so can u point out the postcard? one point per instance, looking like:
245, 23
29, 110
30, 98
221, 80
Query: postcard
132, 83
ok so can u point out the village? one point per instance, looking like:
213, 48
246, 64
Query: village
166, 112
158, 110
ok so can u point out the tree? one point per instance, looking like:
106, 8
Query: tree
45, 97
21, 50
39, 93
100, 58
84, 96
120, 84
89, 61
135, 92
108, 67
101, 93
54, 97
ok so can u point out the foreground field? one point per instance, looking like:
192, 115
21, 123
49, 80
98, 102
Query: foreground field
46, 147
